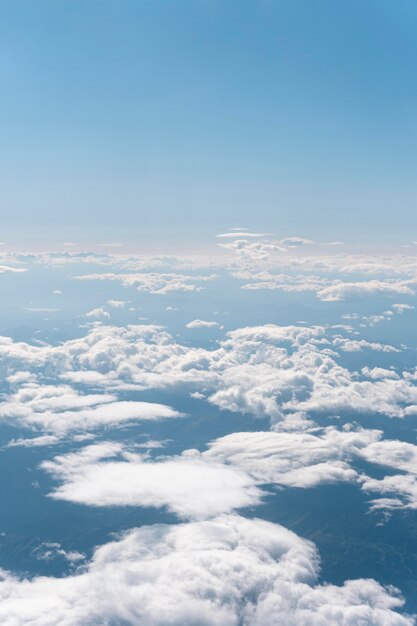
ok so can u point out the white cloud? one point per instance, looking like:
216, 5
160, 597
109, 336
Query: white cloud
342, 291
295, 242
42, 440
242, 233
378, 373
201, 324
357, 345
99, 313
59, 409
41, 309
294, 459
233, 470
15, 270
48, 551
222, 572
117, 304
157, 283
187, 485
258, 250
400, 308
398, 455
274, 371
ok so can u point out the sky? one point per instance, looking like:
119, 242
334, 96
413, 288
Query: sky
159, 124
208, 287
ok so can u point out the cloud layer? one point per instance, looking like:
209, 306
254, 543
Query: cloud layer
228, 571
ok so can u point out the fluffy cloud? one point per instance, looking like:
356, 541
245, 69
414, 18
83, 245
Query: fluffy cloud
95, 476
226, 571
201, 324
397, 455
223, 572
294, 459
270, 370
232, 470
252, 250
59, 409
99, 313
378, 373
357, 345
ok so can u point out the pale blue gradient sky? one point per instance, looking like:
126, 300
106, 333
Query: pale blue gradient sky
161, 123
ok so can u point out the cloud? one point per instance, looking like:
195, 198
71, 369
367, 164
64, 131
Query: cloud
294, 459
252, 250
385, 316
14, 270
233, 470
153, 282
342, 291
99, 313
222, 572
201, 324
91, 477
117, 304
40, 309
49, 551
42, 440
59, 409
267, 371
379, 373
243, 233
397, 455
326, 288
400, 308
357, 345
295, 242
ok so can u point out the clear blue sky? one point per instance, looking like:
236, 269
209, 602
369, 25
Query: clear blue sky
142, 121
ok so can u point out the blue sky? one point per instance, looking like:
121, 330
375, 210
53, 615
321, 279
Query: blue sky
161, 123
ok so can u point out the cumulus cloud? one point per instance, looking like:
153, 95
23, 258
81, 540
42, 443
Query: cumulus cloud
258, 250
99, 313
270, 370
357, 345
378, 373
222, 572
